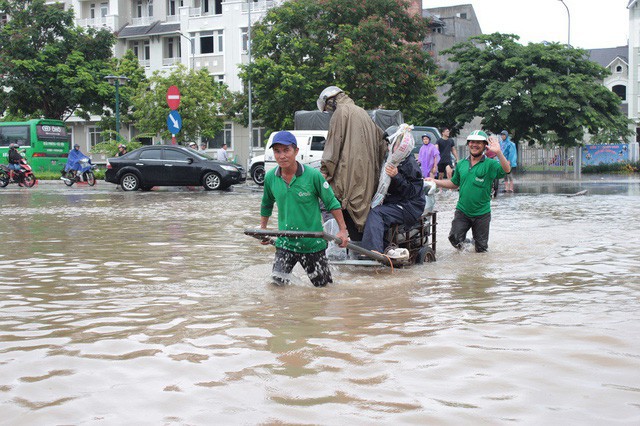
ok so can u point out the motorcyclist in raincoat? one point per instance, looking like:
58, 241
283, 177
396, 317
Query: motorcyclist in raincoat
74, 158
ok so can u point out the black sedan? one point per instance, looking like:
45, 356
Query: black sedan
171, 165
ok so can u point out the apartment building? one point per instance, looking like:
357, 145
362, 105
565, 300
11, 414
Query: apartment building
210, 34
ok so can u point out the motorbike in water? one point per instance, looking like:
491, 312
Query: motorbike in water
23, 177
84, 175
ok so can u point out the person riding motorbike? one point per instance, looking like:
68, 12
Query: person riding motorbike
74, 159
15, 159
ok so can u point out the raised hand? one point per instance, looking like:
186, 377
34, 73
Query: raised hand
494, 144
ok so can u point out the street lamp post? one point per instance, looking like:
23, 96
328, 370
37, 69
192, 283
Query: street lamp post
193, 50
117, 80
569, 23
249, 4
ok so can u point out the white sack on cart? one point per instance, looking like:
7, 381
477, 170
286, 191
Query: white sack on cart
403, 138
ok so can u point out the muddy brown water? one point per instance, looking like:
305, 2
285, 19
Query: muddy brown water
154, 308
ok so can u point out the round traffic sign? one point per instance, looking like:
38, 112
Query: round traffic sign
173, 97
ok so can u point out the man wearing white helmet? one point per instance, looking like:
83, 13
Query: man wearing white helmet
353, 155
474, 176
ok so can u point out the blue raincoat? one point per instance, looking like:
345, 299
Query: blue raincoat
73, 160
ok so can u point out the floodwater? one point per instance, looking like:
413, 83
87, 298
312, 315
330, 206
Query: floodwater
154, 308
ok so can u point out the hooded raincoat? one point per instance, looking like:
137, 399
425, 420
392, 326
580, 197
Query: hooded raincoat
353, 155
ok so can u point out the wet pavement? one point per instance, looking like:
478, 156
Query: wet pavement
154, 308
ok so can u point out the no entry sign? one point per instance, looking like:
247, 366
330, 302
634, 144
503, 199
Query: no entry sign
173, 98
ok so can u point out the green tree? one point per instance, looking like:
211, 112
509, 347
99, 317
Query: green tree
540, 92
372, 49
50, 67
200, 105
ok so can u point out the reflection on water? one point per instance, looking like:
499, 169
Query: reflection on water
154, 308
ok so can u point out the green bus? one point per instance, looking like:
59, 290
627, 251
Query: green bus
45, 143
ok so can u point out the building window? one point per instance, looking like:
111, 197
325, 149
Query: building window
220, 39
173, 48
258, 137
95, 136
244, 40
211, 42
92, 11
620, 90
104, 10
223, 136
206, 42
619, 68
209, 6
172, 7
218, 78
142, 50
144, 8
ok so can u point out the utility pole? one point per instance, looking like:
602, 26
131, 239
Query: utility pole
250, 5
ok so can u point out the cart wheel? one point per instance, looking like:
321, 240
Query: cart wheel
426, 254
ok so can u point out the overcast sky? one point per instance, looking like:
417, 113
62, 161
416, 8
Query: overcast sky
594, 23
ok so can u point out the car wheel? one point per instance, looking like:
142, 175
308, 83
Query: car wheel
212, 181
129, 182
257, 174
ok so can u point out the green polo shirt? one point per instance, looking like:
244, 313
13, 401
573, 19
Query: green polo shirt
298, 206
475, 185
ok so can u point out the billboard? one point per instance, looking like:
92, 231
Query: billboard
593, 155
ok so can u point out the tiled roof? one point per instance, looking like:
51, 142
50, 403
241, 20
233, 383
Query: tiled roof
147, 30
605, 56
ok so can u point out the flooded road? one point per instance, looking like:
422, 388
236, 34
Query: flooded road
154, 308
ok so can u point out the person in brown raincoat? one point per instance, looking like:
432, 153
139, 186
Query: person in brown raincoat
353, 155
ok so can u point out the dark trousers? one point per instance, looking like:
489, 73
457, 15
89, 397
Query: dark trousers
379, 220
316, 265
479, 226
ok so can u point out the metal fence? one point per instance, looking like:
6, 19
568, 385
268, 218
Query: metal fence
536, 159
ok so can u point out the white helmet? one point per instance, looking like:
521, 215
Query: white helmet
327, 93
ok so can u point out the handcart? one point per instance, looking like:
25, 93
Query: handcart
420, 240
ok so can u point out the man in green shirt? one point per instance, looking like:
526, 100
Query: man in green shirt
296, 190
474, 176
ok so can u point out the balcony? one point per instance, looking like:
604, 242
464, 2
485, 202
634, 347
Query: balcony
260, 6
167, 62
141, 21
100, 22
194, 12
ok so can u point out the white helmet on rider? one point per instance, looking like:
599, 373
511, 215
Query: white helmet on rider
13, 145
478, 135
327, 94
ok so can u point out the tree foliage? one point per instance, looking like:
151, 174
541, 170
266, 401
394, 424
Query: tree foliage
539, 92
50, 67
200, 104
372, 49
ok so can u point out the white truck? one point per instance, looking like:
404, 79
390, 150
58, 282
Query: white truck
310, 143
